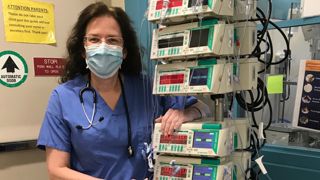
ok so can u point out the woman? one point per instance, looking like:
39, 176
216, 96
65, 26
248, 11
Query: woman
99, 119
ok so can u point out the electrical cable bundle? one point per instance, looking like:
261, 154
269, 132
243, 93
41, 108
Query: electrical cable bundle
265, 21
256, 104
259, 99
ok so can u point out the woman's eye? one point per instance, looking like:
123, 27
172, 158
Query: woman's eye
94, 40
115, 41
112, 41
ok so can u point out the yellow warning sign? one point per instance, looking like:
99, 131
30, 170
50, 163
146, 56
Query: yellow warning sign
29, 21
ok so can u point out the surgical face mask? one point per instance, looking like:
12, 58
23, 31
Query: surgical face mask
104, 60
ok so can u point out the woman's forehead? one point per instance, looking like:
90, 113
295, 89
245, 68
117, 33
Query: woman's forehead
104, 25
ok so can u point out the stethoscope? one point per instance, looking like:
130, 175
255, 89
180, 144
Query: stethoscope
90, 120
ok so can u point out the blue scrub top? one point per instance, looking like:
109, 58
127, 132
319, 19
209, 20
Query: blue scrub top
101, 151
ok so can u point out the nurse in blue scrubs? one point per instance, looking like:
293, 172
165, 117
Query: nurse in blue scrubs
99, 120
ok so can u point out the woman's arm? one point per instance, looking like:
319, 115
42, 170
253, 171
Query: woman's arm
173, 118
58, 163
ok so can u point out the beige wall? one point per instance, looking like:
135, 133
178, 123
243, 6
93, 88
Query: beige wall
118, 3
108, 2
30, 164
23, 165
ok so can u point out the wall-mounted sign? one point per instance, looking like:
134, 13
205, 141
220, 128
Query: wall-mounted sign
13, 69
307, 104
29, 21
48, 66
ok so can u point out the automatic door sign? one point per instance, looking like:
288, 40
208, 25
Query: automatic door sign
13, 69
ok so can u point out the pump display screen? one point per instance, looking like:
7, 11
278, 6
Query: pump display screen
172, 3
174, 139
199, 37
198, 76
172, 79
192, 3
202, 173
170, 42
171, 171
203, 140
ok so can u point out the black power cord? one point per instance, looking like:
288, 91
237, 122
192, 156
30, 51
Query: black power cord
265, 26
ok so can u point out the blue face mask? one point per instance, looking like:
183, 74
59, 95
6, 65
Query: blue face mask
104, 60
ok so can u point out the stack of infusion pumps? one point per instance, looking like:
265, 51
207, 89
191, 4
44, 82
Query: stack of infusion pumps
202, 150
203, 47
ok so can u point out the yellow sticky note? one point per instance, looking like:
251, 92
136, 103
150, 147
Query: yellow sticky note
275, 84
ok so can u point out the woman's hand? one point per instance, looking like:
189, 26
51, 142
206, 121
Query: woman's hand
172, 120
58, 164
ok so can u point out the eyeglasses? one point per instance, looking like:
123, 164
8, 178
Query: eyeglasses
117, 41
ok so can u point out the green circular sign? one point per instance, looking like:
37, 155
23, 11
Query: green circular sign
13, 69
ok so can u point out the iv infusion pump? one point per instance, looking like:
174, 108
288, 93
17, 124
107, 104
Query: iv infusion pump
203, 139
191, 77
198, 39
171, 11
205, 76
190, 168
182, 168
196, 139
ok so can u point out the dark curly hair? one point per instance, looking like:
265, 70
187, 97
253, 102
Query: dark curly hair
76, 64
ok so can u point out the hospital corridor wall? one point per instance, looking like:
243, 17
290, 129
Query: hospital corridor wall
22, 105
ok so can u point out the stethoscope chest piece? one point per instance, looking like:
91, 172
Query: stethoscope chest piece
130, 151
